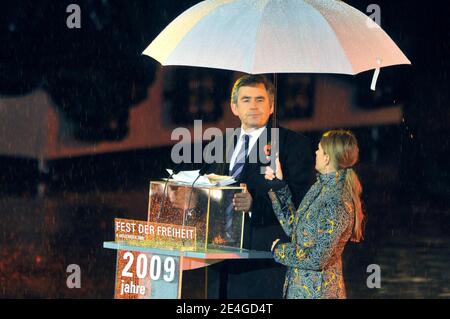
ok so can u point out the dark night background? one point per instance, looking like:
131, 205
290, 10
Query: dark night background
96, 74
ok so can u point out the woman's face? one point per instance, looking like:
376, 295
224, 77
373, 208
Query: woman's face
322, 160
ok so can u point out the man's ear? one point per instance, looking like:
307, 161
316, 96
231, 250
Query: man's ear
272, 109
234, 108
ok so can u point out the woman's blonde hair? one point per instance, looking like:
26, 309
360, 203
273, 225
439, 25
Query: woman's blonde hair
342, 148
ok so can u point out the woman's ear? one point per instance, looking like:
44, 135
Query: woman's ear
326, 158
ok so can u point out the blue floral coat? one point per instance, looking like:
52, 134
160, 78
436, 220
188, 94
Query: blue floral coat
320, 229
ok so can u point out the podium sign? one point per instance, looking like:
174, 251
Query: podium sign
141, 232
141, 275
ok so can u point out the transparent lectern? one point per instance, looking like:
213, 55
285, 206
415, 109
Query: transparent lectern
208, 209
187, 229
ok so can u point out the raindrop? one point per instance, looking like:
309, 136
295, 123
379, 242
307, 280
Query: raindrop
12, 27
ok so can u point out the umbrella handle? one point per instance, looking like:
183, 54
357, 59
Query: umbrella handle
273, 149
274, 115
375, 75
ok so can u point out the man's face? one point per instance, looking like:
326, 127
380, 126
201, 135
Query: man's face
253, 106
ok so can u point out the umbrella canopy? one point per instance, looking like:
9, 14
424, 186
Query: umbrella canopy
276, 36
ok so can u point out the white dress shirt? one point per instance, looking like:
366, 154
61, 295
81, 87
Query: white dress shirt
254, 135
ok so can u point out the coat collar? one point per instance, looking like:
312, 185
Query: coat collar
332, 179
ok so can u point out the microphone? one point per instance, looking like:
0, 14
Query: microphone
202, 171
174, 172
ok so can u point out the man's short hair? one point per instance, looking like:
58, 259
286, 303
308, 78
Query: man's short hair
252, 80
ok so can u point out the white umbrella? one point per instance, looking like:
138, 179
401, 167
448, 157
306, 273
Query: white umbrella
276, 36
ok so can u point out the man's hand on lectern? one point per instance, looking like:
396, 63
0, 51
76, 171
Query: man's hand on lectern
242, 201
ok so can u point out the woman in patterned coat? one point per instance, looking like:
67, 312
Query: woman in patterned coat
329, 215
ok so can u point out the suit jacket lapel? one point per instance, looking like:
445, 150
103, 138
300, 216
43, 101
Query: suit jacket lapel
230, 146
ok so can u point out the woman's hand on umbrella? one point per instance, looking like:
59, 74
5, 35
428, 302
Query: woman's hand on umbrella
270, 174
274, 243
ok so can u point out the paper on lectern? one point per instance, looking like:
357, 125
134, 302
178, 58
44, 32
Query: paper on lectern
188, 177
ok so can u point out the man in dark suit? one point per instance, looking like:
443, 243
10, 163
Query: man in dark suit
252, 100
